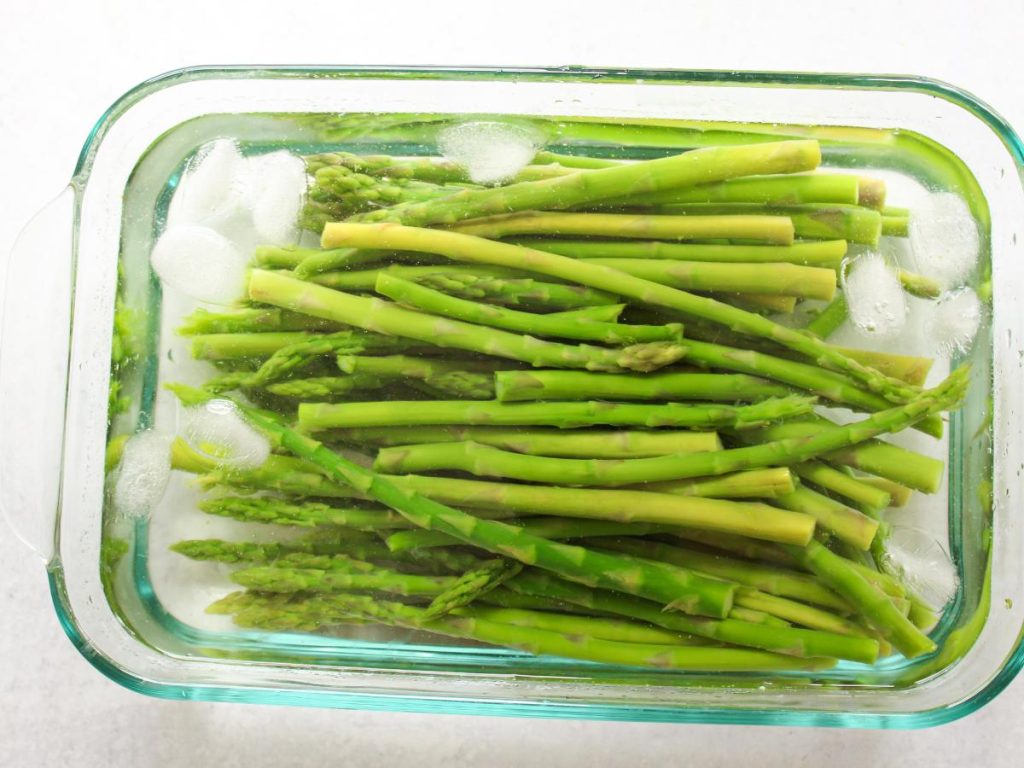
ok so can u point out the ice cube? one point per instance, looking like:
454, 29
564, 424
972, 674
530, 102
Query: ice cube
216, 429
142, 474
200, 263
491, 152
214, 190
913, 556
944, 238
877, 305
955, 320
278, 186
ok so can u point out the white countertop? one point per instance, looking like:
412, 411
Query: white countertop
63, 64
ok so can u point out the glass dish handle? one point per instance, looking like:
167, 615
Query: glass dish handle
34, 342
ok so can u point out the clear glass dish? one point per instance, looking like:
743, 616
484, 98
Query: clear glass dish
122, 612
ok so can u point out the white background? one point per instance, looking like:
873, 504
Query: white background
62, 64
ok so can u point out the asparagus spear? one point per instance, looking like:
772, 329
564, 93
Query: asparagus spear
472, 379
791, 189
787, 640
498, 500
267, 509
467, 248
338, 608
274, 579
433, 169
751, 519
249, 320
589, 443
914, 470
825, 253
381, 316
524, 293
291, 256
866, 496
297, 554
698, 166
673, 587
324, 387
824, 222
749, 484
774, 581
833, 316
871, 602
847, 524
437, 303
546, 527
757, 278
777, 230
514, 386
606, 629
314, 417
365, 279
470, 586
828, 384
481, 459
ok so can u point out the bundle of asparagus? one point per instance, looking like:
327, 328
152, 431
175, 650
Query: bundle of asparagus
542, 474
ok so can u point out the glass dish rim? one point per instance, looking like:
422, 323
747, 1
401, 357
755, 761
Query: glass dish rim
603, 711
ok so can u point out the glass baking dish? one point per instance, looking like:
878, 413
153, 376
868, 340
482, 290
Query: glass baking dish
125, 618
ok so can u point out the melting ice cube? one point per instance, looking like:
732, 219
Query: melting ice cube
874, 295
142, 474
491, 152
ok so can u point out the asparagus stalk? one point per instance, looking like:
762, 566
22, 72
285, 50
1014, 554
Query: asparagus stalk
833, 316
432, 169
772, 191
291, 256
824, 222
740, 546
895, 226
873, 604
776, 230
339, 608
589, 443
239, 346
498, 500
436, 303
786, 640
799, 614
270, 510
599, 314
484, 460
870, 193
524, 293
515, 386
274, 579
673, 587
365, 279
472, 585
914, 470
750, 484
574, 161
325, 387
547, 527
757, 278
606, 629
698, 166
466, 248
751, 519
380, 316
864, 495
315, 417
847, 524
250, 320
828, 384
826, 253
774, 581
919, 285
298, 554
